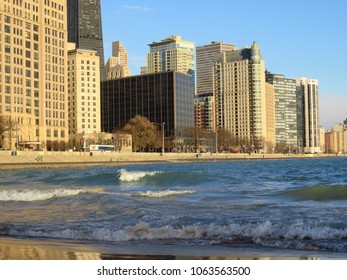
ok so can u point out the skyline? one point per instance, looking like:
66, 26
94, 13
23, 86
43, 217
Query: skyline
296, 40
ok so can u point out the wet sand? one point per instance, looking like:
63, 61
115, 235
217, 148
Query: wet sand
45, 249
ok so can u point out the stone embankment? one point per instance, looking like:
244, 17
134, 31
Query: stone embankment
41, 159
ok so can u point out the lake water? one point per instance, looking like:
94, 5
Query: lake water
296, 204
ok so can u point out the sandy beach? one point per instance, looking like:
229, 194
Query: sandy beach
45, 249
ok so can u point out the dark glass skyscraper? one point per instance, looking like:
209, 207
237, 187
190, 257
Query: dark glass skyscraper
85, 27
165, 97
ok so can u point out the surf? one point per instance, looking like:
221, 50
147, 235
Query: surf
38, 195
134, 176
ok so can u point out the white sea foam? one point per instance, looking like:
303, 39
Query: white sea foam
161, 194
132, 176
36, 195
265, 234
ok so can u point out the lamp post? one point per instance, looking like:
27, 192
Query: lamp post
216, 141
163, 131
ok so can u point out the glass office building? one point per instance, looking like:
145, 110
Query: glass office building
166, 97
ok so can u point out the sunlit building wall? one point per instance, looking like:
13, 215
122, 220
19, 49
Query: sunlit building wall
84, 95
117, 65
241, 97
33, 78
171, 54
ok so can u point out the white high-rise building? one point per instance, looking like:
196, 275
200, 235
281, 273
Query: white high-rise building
171, 54
309, 88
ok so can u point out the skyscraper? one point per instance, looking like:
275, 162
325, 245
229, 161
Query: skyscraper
287, 112
244, 104
204, 103
309, 91
85, 27
171, 54
204, 61
84, 95
33, 80
117, 65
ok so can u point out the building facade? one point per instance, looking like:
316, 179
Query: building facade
171, 54
117, 65
287, 112
204, 62
166, 97
242, 100
204, 111
204, 102
83, 96
309, 92
336, 139
33, 80
85, 27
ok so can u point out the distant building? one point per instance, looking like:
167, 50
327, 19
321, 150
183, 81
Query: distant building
171, 54
336, 140
204, 111
33, 80
84, 96
117, 64
309, 91
204, 103
84, 27
287, 111
243, 103
166, 97
204, 62
322, 139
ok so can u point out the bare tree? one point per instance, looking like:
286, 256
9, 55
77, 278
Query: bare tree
6, 126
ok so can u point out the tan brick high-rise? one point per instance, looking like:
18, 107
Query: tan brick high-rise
244, 104
33, 80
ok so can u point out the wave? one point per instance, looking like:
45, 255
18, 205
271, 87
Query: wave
295, 236
161, 194
319, 193
132, 176
37, 195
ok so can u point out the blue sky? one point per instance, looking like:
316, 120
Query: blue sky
297, 38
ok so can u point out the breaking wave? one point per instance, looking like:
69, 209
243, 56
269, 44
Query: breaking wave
161, 194
295, 236
133, 176
37, 195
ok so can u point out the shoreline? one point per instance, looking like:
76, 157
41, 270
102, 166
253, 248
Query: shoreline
12, 248
32, 160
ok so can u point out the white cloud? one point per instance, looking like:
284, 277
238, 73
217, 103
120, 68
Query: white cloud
137, 8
